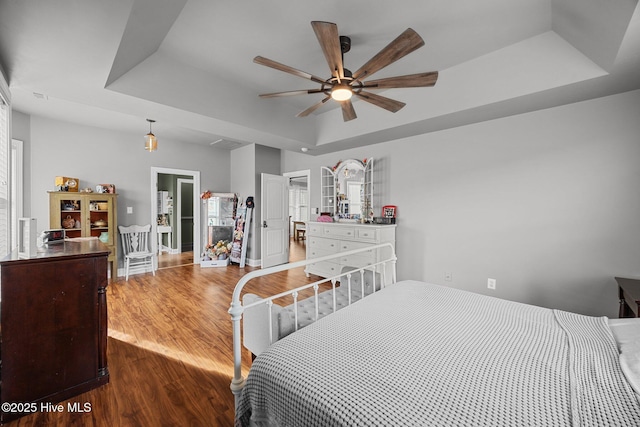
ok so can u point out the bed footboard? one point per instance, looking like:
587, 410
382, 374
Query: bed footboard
353, 278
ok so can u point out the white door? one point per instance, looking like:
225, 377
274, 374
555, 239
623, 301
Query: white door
275, 220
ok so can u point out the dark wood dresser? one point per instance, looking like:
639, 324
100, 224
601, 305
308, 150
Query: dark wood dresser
53, 314
629, 294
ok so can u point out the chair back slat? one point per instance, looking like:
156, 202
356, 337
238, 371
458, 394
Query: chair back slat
135, 238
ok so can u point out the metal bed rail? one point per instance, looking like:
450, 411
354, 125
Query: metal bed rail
237, 309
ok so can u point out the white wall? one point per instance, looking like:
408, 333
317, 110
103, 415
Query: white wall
547, 203
243, 172
96, 156
247, 163
267, 161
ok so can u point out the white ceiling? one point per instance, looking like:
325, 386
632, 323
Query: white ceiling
188, 64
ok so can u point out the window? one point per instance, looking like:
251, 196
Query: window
298, 196
5, 169
298, 203
17, 188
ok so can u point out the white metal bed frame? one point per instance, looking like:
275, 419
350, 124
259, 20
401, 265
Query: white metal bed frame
236, 310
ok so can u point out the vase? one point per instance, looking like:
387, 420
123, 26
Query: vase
104, 237
222, 256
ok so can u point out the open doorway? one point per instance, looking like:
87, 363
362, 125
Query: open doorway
184, 215
175, 215
299, 213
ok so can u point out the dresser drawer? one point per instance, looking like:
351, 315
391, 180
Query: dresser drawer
329, 245
357, 261
370, 234
314, 229
324, 268
347, 245
317, 253
363, 258
347, 232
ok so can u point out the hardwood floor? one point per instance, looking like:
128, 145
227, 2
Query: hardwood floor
174, 260
169, 349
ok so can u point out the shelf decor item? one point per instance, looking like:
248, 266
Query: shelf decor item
108, 188
216, 255
100, 223
65, 183
68, 222
389, 211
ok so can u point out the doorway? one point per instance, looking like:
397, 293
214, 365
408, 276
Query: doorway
299, 211
182, 216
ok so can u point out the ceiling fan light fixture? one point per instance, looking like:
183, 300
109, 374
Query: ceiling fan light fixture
150, 140
341, 92
343, 84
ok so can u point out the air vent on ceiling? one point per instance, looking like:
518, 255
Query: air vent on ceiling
224, 144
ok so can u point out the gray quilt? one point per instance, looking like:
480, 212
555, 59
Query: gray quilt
416, 354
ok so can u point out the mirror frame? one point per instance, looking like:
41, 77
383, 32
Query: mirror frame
330, 198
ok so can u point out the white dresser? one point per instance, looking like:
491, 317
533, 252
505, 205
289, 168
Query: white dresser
328, 238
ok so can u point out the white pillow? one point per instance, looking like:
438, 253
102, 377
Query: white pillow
627, 335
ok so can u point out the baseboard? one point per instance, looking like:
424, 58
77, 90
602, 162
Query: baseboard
253, 262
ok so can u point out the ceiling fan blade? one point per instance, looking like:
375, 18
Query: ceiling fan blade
348, 113
403, 45
327, 34
290, 93
381, 101
410, 80
313, 108
278, 66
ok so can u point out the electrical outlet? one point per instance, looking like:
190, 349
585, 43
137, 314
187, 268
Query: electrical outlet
129, 209
448, 277
491, 283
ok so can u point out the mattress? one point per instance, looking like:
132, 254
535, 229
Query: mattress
426, 355
627, 335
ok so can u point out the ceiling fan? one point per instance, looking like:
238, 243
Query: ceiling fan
343, 84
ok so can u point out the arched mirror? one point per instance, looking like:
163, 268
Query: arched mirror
347, 190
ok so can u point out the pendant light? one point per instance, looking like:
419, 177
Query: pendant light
150, 140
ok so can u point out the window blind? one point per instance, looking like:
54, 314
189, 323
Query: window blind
5, 147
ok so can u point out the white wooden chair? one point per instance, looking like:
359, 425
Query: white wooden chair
135, 246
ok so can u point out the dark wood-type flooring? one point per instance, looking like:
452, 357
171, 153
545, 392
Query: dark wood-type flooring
169, 348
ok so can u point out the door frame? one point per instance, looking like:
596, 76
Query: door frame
299, 174
195, 175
